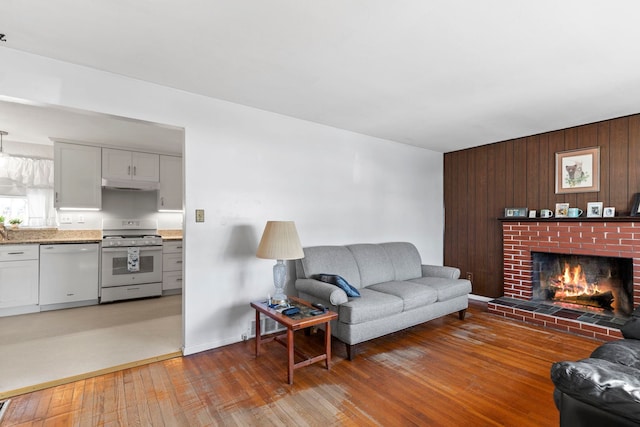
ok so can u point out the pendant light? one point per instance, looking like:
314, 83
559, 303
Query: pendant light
2, 133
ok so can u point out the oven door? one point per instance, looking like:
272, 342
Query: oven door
115, 270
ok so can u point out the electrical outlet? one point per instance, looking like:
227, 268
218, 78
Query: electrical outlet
199, 215
470, 277
65, 219
80, 219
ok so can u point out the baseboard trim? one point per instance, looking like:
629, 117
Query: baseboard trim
480, 298
79, 377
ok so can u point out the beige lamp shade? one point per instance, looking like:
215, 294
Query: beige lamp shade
280, 241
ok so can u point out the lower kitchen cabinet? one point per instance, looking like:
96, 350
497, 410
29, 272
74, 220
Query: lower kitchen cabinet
172, 267
18, 279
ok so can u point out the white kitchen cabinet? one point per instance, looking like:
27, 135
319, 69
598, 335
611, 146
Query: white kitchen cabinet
76, 172
170, 193
18, 279
130, 165
69, 275
172, 267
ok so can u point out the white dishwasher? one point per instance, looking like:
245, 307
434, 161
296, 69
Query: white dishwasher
69, 274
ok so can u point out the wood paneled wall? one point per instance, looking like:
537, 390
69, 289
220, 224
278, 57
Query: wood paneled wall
480, 182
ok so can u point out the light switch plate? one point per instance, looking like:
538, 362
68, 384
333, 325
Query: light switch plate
199, 215
65, 219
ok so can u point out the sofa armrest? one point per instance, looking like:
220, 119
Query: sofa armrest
322, 290
440, 271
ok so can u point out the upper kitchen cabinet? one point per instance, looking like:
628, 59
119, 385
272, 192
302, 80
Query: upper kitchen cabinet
170, 193
76, 172
130, 165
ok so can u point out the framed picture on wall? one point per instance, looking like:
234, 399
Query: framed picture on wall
578, 171
594, 209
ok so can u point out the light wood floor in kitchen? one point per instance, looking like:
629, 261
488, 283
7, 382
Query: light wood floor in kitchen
483, 371
43, 349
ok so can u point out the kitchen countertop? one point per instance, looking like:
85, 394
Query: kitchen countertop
53, 235
169, 235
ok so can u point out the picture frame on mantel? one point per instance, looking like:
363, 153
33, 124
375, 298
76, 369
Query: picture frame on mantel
578, 171
515, 212
635, 209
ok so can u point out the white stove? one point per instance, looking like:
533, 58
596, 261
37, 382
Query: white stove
131, 260
135, 240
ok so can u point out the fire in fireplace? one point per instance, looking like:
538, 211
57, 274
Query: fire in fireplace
592, 282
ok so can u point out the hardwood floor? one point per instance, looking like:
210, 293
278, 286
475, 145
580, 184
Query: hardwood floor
483, 371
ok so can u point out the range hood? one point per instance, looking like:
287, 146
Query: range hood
127, 184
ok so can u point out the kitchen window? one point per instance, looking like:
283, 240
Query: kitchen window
14, 207
26, 191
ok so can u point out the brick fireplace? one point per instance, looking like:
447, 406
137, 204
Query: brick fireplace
610, 237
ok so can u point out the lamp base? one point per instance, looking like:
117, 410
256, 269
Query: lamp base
279, 277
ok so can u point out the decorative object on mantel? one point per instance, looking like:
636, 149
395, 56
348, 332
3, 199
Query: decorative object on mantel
578, 171
562, 210
594, 209
515, 212
635, 209
546, 213
609, 212
532, 213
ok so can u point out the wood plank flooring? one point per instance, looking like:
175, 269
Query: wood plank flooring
483, 371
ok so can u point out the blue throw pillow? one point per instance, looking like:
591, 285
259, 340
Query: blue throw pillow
334, 279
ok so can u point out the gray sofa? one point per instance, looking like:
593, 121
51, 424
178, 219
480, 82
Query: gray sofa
396, 290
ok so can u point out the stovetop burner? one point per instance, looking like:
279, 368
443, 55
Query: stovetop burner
130, 232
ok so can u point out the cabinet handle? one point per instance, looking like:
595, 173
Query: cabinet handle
178, 247
179, 280
57, 197
129, 170
161, 201
134, 170
15, 253
179, 262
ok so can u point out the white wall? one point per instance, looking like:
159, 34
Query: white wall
244, 167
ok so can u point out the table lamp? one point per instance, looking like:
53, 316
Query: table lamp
280, 241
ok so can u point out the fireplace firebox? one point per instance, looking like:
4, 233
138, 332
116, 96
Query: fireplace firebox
585, 282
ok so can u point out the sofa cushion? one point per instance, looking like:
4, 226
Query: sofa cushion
330, 260
446, 288
405, 260
373, 263
625, 352
339, 282
413, 294
372, 306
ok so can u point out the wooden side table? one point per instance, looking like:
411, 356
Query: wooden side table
299, 321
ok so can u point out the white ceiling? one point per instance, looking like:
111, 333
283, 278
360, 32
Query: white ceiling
444, 75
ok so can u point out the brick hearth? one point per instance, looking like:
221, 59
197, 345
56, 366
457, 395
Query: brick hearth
593, 236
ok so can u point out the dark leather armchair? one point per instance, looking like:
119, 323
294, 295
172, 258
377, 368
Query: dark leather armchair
603, 390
